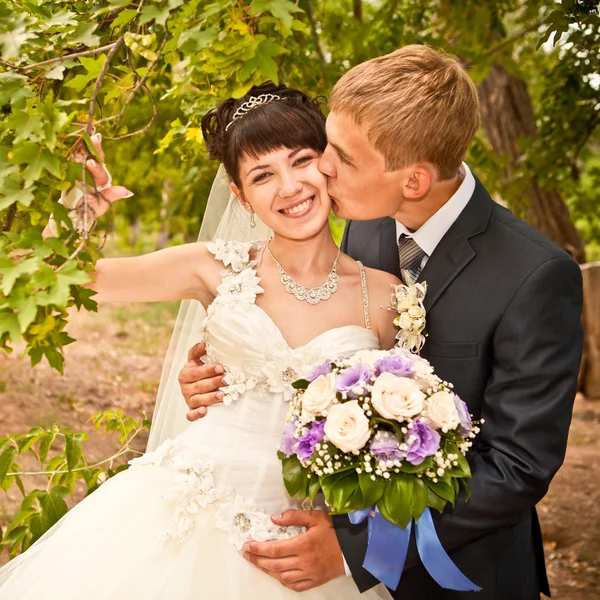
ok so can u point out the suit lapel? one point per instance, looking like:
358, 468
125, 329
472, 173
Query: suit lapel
454, 252
389, 259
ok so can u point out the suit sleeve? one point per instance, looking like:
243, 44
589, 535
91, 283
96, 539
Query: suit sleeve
527, 407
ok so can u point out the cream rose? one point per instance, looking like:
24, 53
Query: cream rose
397, 398
441, 411
319, 395
347, 427
417, 312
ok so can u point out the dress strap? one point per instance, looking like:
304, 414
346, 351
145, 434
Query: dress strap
365, 294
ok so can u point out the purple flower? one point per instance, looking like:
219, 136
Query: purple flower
352, 377
464, 416
425, 442
397, 365
385, 446
308, 441
322, 369
288, 441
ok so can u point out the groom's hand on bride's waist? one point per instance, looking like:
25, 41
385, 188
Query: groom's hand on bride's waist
200, 383
302, 562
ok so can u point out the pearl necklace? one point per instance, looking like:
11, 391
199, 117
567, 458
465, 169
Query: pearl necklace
310, 295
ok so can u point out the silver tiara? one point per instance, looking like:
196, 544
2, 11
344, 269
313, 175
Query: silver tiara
254, 102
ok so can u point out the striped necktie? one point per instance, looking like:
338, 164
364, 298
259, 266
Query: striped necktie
411, 258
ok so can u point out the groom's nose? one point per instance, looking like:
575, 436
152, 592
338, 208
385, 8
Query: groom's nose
326, 164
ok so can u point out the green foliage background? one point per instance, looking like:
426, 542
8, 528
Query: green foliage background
144, 73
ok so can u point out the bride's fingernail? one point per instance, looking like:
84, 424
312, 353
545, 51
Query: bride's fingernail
220, 395
219, 369
128, 194
92, 163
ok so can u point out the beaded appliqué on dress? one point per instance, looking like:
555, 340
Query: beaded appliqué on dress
195, 489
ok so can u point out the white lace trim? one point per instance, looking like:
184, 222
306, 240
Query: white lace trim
195, 489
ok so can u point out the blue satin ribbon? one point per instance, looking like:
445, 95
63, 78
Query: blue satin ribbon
388, 546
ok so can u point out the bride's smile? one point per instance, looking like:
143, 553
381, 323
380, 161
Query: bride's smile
286, 190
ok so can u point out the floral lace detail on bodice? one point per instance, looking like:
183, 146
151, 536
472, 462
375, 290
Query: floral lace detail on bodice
240, 285
195, 489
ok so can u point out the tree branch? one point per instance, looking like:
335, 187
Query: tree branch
140, 82
66, 57
315, 33
10, 217
99, 81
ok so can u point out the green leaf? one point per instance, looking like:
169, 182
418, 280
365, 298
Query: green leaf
11, 191
196, 38
46, 444
434, 501
301, 384
14, 90
9, 324
84, 34
155, 13
56, 72
6, 460
406, 467
396, 504
372, 491
294, 475
26, 313
420, 496
37, 160
314, 487
15, 35
280, 9
124, 17
72, 451
442, 489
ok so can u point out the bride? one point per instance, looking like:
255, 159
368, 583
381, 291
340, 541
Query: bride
173, 524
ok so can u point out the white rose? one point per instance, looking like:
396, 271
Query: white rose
417, 312
319, 395
347, 427
366, 356
397, 398
404, 321
441, 411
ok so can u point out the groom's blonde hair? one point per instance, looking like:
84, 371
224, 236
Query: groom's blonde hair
417, 105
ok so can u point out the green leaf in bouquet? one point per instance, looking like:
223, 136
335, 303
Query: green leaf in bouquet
467, 488
371, 490
434, 501
314, 487
406, 467
339, 488
294, 474
301, 384
442, 489
396, 504
420, 495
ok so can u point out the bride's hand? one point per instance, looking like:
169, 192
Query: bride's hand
106, 192
200, 383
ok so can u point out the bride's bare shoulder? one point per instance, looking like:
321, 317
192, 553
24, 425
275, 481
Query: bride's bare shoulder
379, 286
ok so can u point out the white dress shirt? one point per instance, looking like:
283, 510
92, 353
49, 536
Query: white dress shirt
429, 235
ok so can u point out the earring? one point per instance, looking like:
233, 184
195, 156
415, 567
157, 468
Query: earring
252, 221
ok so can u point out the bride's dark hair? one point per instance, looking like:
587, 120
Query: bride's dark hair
294, 121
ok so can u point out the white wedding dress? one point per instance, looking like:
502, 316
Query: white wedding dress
171, 526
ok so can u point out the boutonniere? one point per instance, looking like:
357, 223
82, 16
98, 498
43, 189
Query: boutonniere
407, 301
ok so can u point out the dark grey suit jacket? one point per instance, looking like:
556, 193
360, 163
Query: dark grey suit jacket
503, 322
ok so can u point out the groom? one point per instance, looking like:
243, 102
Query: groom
503, 320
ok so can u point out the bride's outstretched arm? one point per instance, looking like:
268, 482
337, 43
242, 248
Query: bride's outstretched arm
175, 273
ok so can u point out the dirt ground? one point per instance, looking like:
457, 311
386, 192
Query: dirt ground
116, 363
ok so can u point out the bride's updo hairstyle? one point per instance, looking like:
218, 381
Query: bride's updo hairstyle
293, 121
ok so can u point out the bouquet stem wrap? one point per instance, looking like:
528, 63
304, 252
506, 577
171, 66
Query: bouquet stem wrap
388, 546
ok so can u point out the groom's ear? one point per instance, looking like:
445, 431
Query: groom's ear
417, 182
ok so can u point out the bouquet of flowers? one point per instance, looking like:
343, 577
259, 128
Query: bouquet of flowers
383, 438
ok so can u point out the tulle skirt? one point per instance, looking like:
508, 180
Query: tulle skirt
110, 546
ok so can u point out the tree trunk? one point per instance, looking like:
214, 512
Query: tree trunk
589, 380
507, 116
